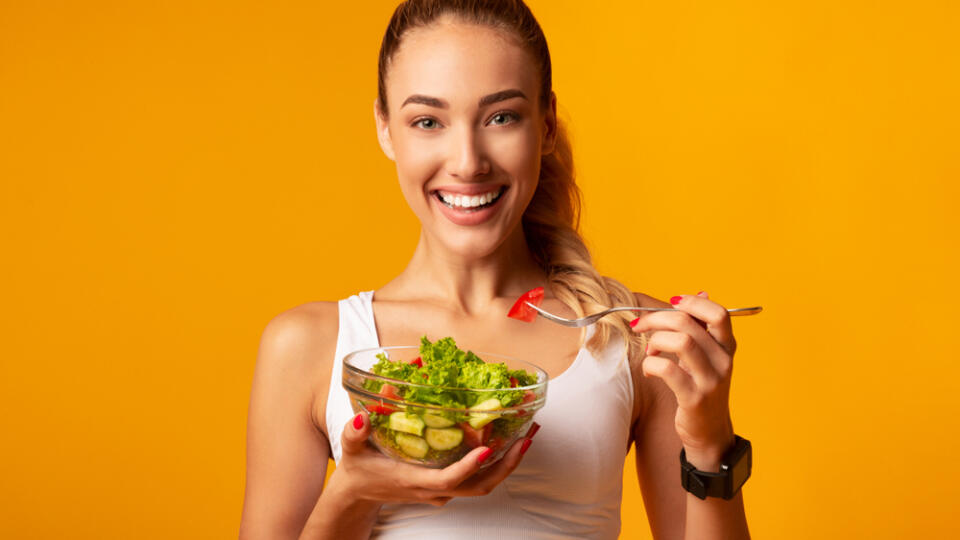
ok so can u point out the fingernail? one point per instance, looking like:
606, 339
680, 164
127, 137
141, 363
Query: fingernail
533, 430
702, 293
676, 300
358, 422
485, 455
634, 322
526, 444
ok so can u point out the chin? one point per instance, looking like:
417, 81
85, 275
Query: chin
473, 244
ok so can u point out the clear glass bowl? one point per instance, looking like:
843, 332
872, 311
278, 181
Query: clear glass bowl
425, 434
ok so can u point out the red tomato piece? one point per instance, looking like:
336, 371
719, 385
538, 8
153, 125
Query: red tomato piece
495, 443
513, 382
528, 396
475, 437
417, 362
388, 391
521, 311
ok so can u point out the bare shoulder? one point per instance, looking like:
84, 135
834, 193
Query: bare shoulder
297, 347
287, 450
298, 326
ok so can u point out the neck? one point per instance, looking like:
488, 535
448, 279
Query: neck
472, 284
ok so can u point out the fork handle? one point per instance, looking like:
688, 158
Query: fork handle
733, 312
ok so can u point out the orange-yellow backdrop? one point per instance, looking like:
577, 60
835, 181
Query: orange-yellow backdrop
174, 174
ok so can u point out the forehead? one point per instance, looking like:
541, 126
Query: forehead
459, 63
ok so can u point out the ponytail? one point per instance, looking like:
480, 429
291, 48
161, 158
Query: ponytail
551, 224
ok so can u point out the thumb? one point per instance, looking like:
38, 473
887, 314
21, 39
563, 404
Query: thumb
355, 433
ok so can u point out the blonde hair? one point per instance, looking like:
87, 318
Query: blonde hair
551, 222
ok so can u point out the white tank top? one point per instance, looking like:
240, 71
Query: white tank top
568, 484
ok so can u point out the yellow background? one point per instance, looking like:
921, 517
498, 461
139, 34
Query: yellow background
174, 174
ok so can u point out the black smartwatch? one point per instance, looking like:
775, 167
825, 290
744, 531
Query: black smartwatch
735, 468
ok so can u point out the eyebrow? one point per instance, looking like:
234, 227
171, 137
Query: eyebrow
495, 97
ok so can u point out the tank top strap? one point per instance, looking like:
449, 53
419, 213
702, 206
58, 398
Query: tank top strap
357, 331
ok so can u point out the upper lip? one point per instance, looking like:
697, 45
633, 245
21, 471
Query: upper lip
469, 189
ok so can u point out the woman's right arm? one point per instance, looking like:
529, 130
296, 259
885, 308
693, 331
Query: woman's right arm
287, 455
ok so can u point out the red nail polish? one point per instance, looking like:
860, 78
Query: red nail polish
633, 323
676, 300
533, 430
526, 444
485, 455
702, 293
358, 422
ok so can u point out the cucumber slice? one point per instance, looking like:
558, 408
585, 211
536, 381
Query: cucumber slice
477, 421
432, 420
407, 423
444, 438
412, 445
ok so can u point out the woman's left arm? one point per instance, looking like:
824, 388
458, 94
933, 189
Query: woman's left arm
689, 362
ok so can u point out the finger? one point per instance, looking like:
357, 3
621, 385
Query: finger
690, 354
680, 321
451, 476
485, 481
679, 381
355, 433
712, 313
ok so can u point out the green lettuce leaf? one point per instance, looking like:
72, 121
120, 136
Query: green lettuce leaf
446, 365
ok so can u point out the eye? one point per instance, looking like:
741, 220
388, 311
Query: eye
501, 118
426, 123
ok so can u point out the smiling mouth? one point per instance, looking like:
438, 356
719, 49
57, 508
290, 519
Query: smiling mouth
468, 204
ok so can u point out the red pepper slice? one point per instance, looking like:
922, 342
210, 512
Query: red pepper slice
417, 362
383, 409
513, 382
521, 311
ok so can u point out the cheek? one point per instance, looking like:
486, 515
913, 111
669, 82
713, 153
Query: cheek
519, 155
416, 163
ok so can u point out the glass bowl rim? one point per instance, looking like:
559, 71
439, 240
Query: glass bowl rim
532, 406
480, 354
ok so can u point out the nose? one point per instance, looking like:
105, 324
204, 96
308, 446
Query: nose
467, 158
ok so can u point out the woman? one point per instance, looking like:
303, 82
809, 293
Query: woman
466, 111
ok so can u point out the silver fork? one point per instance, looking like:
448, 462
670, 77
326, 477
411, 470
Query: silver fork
590, 319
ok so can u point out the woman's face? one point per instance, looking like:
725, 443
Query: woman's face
466, 132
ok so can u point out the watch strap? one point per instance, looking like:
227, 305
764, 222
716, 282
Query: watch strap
736, 462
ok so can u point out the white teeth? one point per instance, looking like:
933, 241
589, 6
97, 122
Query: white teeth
465, 201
